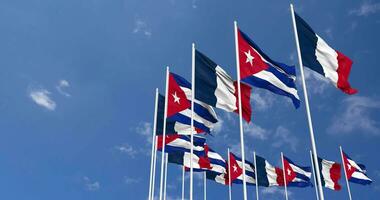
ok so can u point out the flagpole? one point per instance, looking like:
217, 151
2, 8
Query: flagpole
256, 176
313, 145
204, 186
345, 173
164, 133
183, 182
192, 117
153, 144
166, 174
229, 175
315, 181
240, 112
283, 171
154, 166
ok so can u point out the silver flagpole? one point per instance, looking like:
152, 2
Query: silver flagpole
315, 180
164, 133
345, 173
204, 186
256, 179
183, 182
240, 112
283, 171
154, 167
192, 117
229, 176
153, 145
314, 148
166, 174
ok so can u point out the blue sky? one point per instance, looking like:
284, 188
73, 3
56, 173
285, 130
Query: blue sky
77, 88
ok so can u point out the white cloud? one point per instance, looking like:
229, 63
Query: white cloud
262, 100
283, 137
256, 131
218, 127
142, 27
275, 191
145, 129
194, 4
41, 97
127, 149
129, 180
356, 116
91, 185
366, 8
62, 84
329, 33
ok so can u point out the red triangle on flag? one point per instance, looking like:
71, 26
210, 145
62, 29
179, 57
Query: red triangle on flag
177, 100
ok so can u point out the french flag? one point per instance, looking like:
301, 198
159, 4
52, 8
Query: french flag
215, 87
258, 70
320, 57
267, 174
355, 172
296, 175
330, 174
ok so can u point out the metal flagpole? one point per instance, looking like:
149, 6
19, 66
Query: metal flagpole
192, 117
166, 174
164, 133
315, 180
283, 171
314, 148
345, 173
256, 179
204, 186
183, 182
153, 145
229, 176
240, 111
154, 167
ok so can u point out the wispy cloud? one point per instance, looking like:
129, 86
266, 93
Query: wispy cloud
130, 180
256, 131
274, 191
194, 4
355, 114
42, 98
262, 100
62, 85
145, 129
142, 27
317, 84
127, 149
91, 185
283, 137
366, 8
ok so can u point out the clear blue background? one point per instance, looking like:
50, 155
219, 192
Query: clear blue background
94, 144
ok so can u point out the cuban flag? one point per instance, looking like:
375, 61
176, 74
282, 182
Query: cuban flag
179, 106
320, 57
215, 87
172, 127
355, 173
236, 170
257, 69
181, 143
183, 159
295, 175
330, 174
216, 162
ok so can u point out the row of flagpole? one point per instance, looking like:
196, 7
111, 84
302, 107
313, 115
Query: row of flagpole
313, 152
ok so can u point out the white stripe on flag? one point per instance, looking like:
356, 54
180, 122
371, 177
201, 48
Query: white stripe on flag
268, 76
326, 166
225, 98
328, 58
300, 171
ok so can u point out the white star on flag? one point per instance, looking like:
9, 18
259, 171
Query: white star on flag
349, 166
289, 172
176, 98
235, 168
249, 57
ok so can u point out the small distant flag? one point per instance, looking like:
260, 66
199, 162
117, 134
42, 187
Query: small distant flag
180, 106
236, 169
295, 175
355, 173
216, 88
330, 173
267, 175
321, 58
258, 70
